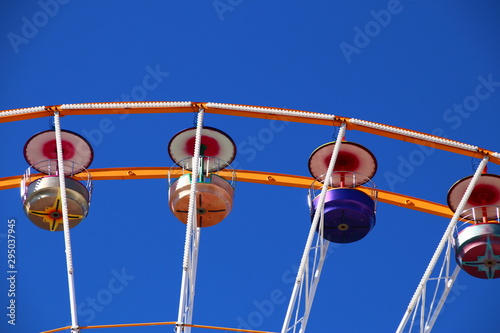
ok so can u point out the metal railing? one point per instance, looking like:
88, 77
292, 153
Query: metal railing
207, 166
48, 168
343, 179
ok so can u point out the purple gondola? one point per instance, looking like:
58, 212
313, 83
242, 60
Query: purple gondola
349, 211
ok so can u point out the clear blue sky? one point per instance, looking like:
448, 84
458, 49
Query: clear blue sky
412, 64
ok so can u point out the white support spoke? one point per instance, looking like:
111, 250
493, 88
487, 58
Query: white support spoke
191, 246
443, 275
309, 273
316, 272
192, 278
422, 308
419, 295
310, 279
448, 285
67, 239
426, 312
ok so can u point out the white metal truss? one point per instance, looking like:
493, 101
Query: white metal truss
300, 310
186, 304
434, 294
192, 277
429, 311
191, 246
312, 260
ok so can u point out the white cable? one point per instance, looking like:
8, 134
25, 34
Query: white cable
442, 243
120, 105
412, 134
496, 155
67, 238
276, 111
22, 111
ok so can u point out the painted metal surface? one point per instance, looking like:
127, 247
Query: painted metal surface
485, 193
214, 143
477, 250
43, 203
353, 157
214, 199
77, 152
349, 215
259, 177
239, 110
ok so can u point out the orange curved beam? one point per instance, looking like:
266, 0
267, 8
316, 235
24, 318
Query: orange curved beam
259, 177
195, 106
126, 325
226, 329
110, 326
157, 324
58, 329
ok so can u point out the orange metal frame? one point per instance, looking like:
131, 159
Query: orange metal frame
157, 324
243, 175
195, 106
258, 177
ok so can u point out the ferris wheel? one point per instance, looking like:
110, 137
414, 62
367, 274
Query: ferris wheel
56, 191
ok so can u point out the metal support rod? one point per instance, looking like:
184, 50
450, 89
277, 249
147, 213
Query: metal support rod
441, 245
448, 285
192, 237
314, 285
319, 211
444, 274
192, 282
422, 308
67, 238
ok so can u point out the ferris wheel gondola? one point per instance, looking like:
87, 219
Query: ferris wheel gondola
41, 195
477, 246
349, 214
214, 194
